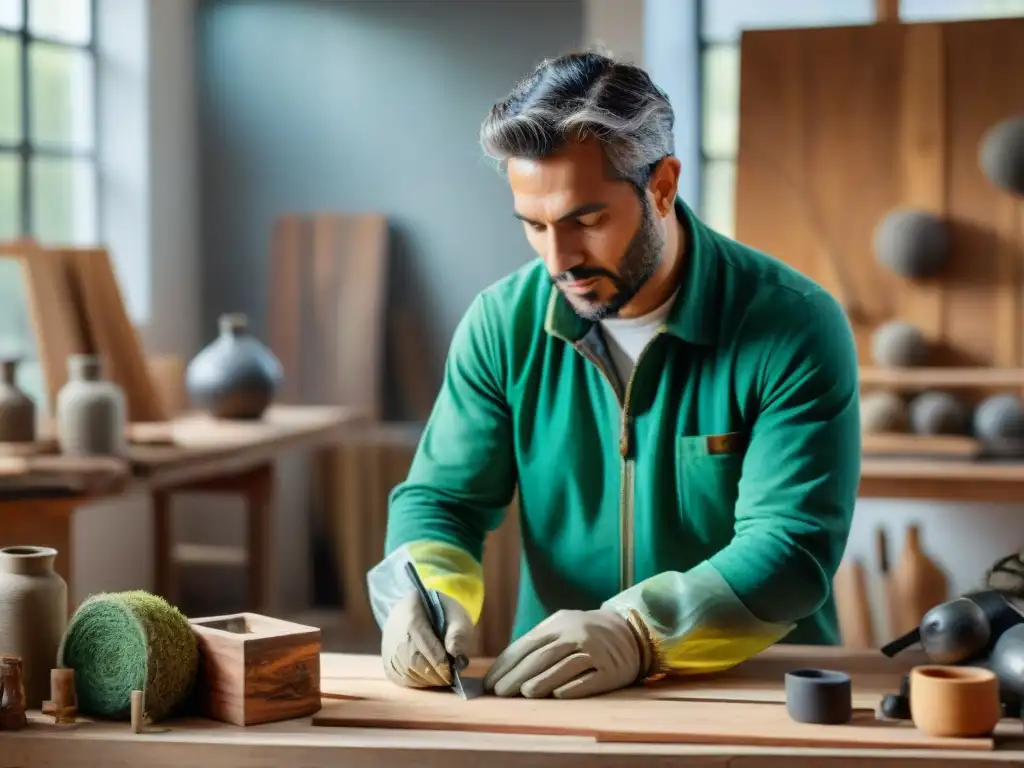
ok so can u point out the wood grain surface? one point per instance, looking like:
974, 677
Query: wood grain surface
741, 706
840, 126
256, 669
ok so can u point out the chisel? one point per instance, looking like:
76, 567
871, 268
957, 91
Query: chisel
469, 688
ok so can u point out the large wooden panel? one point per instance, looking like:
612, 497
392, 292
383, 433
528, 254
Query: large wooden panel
327, 300
839, 126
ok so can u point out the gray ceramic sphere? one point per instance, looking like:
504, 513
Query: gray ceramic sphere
912, 243
939, 413
999, 424
236, 376
899, 345
1007, 660
1001, 155
883, 412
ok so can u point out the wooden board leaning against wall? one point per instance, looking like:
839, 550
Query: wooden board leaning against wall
841, 126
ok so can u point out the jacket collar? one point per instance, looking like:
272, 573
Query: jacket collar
694, 315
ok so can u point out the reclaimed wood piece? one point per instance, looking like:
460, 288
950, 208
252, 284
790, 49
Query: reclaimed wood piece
257, 669
921, 180
853, 605
328, 291
54, 313
112, 333
761, 679
840, 126
63, 702
926, 446
168, 375
631, 719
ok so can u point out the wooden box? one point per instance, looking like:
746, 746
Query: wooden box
256, 669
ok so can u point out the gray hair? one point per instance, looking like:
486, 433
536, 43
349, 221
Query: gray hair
576, 96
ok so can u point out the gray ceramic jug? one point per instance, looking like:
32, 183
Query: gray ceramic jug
33, 615
236, 376
91, 411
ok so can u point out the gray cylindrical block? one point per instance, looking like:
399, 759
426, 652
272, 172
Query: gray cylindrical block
883, 412
898, 344
1001, 155
820, 696
999, 424
912, 243
939, 413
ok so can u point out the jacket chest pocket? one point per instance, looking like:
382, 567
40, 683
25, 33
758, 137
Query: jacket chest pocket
708, 470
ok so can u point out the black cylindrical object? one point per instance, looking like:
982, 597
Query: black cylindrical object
821, 696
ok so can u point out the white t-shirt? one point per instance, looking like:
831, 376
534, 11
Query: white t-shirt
626, 338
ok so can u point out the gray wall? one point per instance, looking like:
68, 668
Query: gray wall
365, 105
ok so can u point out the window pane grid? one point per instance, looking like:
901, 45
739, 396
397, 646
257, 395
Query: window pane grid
57, 121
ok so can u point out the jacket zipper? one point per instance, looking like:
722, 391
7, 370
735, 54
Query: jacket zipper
627, 528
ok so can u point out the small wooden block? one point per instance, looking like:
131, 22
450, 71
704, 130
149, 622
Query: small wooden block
257, 669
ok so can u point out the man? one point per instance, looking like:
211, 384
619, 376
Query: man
678, 413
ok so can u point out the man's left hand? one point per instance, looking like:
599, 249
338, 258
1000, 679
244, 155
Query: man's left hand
569, 655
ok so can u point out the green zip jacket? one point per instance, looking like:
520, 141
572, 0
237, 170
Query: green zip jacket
712, 493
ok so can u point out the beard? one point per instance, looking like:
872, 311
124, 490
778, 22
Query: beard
635, 268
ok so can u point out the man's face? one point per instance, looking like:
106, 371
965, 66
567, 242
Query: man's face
598, 239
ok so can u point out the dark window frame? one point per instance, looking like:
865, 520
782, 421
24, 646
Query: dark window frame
27, 149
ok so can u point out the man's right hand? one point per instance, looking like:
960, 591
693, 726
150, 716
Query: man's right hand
413, 656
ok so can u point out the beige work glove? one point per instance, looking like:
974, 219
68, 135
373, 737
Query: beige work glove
412, 654
569, 655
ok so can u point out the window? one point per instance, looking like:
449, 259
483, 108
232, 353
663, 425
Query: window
720, 26
48, 167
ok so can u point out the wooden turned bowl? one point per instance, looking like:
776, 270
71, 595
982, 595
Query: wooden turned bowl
954, 701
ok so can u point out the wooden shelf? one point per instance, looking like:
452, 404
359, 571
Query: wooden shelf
942, 378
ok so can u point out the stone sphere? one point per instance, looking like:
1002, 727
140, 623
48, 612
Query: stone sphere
939, 413
883, 412
1001, 155
999, 424
899, 345
912, 243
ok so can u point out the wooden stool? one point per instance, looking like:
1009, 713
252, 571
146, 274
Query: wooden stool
257, 488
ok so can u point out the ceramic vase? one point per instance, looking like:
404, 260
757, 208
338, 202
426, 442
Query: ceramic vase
91, 411
954, 701
916, 584
33, 615
236, 376
17, 410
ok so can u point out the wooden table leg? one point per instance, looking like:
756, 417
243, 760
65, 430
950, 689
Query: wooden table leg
42, 522
164, 565
256, 486
260, 495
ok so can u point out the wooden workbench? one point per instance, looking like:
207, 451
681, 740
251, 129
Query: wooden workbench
38, 499
197, 742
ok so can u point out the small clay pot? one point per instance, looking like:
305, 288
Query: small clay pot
820, 696
954, 701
